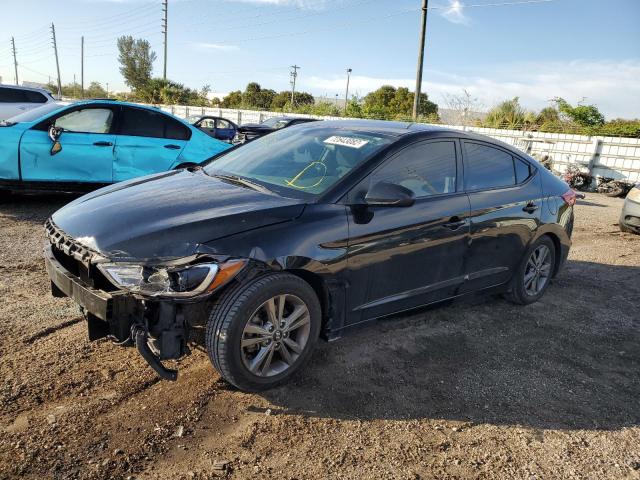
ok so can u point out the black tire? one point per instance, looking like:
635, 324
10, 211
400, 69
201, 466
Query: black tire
517, 292
230, 314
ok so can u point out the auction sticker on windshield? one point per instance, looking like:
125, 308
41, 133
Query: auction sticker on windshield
351, 142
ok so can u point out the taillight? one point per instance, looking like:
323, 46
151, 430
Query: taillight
569, 197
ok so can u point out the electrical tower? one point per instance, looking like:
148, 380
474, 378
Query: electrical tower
15, 62
294, 75
55, 50
165, 9
423, 31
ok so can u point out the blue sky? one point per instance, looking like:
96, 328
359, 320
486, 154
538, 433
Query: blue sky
537, 50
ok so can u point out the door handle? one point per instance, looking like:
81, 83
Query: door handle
454, 223
530, 207
171, 146
103, 144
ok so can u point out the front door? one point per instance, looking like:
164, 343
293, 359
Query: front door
224, 129
404, 257
506, 196
147, 142
87, 148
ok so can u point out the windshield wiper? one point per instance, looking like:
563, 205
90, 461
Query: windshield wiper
243, 182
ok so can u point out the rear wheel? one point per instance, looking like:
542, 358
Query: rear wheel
533, 276
260, 334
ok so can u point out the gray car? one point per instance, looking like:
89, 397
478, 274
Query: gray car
630, 216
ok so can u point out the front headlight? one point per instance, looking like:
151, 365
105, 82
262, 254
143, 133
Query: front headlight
182, 281
634, 194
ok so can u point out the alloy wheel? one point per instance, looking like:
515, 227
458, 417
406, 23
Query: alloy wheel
537, 271
275, 335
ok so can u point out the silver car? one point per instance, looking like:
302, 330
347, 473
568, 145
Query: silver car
630, 216
15, 99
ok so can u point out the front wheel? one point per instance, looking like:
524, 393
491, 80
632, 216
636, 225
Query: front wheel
533, 276
260, 334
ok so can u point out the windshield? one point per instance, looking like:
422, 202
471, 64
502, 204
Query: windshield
300, 162
35, 113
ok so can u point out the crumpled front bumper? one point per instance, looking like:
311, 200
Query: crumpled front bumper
157, 329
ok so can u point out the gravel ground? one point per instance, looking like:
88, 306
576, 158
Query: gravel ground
476, 389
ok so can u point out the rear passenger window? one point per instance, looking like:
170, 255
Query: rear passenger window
35, 97
12, 95
138, 122
425, 169
523, 170
487, 167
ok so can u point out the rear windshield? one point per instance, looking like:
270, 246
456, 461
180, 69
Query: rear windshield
35, 113
300, 161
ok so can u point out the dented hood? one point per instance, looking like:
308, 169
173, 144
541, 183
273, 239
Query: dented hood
169, 215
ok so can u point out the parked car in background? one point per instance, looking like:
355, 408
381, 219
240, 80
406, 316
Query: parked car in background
15, 99
251, 131
306, 232
88, 144
630, 216
216, 127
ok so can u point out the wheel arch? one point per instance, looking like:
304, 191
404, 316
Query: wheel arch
322, 290
558, 251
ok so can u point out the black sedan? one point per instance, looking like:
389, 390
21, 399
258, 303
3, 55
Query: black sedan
251, 131
303, 234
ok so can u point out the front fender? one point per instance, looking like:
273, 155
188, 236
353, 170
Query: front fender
9, 151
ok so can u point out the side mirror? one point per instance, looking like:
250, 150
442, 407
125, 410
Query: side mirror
54, 135
385, 194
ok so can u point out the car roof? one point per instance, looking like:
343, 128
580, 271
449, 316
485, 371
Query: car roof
398, 129
24, 87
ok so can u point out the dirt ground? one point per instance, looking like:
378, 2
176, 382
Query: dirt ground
476, 389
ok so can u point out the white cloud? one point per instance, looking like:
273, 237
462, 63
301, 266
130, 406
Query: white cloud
454, 12
215, 46
611, 85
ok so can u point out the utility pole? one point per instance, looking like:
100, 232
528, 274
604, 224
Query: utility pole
107, 89
82, 66
294, 75
55, 49
15, 62
423, 31
346, 94
165, 9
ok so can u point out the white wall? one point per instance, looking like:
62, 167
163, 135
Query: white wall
617, 157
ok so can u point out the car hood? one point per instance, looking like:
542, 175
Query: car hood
168, 215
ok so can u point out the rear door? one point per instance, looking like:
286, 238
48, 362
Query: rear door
87, 147
505, 196
147, 141
224, 129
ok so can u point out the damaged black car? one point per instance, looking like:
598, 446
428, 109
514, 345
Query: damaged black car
300, 235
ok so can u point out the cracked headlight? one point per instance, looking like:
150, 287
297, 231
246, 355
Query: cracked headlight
182, 281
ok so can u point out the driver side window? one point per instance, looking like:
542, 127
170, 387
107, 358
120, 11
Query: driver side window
88, 120
427, 168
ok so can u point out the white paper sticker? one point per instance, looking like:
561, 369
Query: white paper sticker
346, 141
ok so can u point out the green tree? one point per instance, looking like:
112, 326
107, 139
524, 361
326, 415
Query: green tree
508, 114
95, 90
583, 115
136, 61
387, 102
232, 100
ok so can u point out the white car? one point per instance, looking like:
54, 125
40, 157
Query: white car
15, 100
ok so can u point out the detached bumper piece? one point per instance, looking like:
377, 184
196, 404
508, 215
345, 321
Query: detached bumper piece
156, 328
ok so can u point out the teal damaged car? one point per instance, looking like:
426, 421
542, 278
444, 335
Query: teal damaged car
89, 144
